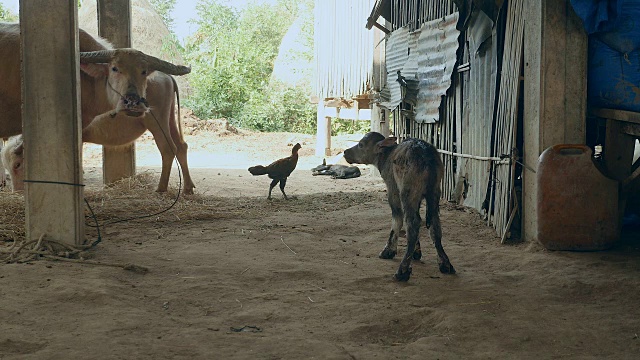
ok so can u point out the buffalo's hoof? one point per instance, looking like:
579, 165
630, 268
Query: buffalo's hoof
387, 254
446, 268
417, 255
402, 276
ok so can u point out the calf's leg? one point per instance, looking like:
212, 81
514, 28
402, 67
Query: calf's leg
391, 249
433, 209
412, 221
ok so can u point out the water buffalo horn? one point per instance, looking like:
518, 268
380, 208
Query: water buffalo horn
166, 67
105, 56
101, 56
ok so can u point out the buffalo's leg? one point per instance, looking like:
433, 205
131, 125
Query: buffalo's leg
168, 152
188, 185
181, 154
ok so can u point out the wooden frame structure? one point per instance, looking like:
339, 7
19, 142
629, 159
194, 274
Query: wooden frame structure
51, 114
555, 94
51, 120
114, 24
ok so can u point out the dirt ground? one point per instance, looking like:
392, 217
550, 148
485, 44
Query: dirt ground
235, 276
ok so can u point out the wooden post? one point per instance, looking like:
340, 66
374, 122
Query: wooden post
114, 24
555, 89
379, 116
323, 131
51, 120
618, 157
618, 151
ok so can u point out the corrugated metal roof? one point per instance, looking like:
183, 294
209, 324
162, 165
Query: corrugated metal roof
437, 47
343, 48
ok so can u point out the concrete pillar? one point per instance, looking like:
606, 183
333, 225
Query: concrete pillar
114, 24
51, 120
323, 132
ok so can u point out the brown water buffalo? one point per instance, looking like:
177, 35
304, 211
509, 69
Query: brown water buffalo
124, 92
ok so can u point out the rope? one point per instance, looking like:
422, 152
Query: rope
33, 250
13, 257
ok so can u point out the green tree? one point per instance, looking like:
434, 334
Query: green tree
164, 9
7, 14
232, 55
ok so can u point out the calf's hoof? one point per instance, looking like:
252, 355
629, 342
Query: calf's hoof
387, 254
446, 268
417, 255
188, 191
402, 275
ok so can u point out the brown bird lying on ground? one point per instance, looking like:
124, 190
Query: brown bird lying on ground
278, 170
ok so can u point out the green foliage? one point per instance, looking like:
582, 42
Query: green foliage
7, 15
164, 9
281, 108
232, 56
348, 126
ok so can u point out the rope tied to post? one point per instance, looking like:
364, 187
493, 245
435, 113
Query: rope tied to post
43, 248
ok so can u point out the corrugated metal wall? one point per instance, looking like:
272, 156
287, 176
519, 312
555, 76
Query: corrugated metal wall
414, 13
477, 127
437, 47
475, 133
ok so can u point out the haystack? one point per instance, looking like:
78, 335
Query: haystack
149, 33
291, 66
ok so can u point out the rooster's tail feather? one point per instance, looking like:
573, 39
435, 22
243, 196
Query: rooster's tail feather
258, 170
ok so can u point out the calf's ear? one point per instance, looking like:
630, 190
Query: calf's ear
388, 142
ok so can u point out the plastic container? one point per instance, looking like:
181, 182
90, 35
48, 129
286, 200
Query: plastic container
577, 205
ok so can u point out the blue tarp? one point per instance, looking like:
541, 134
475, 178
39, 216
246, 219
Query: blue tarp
614, 22
614, 52
598, 15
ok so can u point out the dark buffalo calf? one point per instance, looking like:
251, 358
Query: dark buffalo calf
336, 171
412, 172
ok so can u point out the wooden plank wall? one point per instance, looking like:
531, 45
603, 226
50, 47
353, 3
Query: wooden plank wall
503, 189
